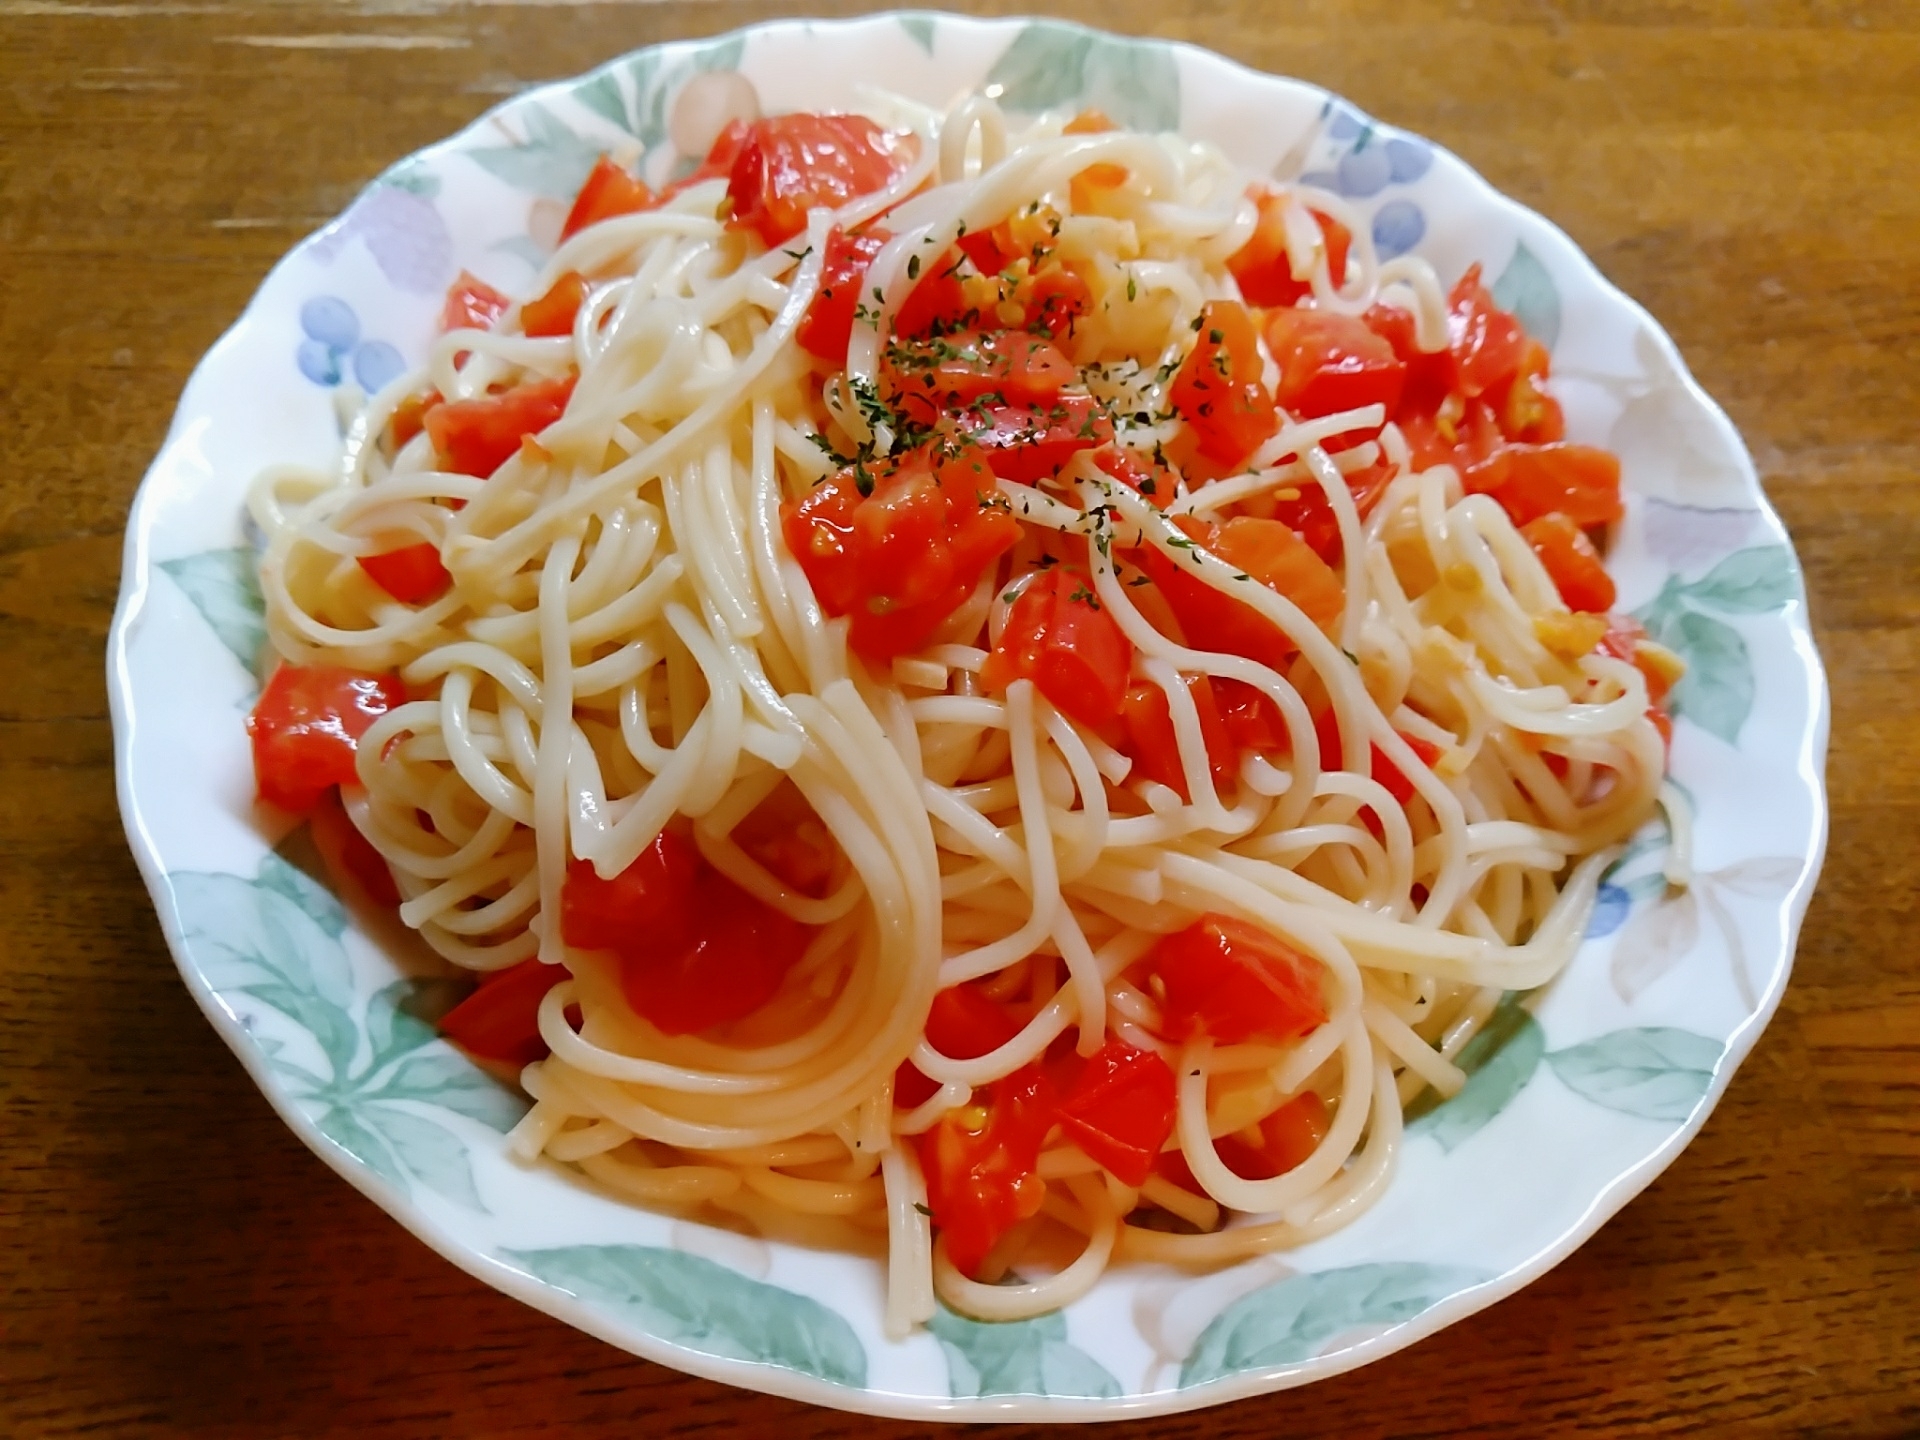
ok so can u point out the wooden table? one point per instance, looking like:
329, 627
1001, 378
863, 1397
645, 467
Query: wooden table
174, 1260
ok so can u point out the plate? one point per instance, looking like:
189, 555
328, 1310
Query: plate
1579, 1095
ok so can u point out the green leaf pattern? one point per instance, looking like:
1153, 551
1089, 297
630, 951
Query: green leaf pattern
224, 588
1526, 289
1022, 1357
1717, 691
691, 1301
919, 29
1051, 64
277, 939
1499, 1062
1302, 1316
1656, 1072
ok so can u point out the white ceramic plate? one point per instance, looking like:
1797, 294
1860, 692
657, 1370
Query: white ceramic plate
1592, 1088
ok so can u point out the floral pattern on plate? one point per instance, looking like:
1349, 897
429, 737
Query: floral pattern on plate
1577, 1094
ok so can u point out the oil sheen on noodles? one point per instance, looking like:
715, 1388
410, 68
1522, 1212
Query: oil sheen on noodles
628, 641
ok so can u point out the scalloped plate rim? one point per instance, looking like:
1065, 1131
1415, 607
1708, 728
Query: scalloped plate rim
779, 1380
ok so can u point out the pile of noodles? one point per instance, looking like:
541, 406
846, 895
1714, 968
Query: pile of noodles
627, 640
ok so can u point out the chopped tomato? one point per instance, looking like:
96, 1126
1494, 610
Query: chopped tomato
1330, 363
1252, 721
828, 324
1487, 343
1217, 389
306, 726
1235, 981
1025, 443
902, 559
990, 250
609, 191
472, 304
786, 836
979, 1163
1002, 367
1091, 121
1462, 433
1261, 266
937, 305
644, 901
500, 1020
1089, 190
413, 574
349, 856
1120, 1110
1059, 637
1155, 746
1308, 514
1277, 1144
1525, 411
1326, 727
477, 437
553, 313
1269, 554
1054, 296
1581, 482
410, 416
963, 1024
790, 163
1622, 640
696, 951
1571, 562
1132, 469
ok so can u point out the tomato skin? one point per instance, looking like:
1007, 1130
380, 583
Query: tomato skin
1234, 981
1054, 297
553, 313
645, 899
1326, 728
790, 163
349, 855
1269, 553
1487, 343
1009, 368
827, 326
1028, 443
1134, 471
901, 560
500, 1020
1526, 412
695, 950
1571, 563
472, 304
980, 1178
1120, 1110
609, 191
1252, 721
1581, 482
1217, 389
1311, 517
1059, 637
1329, 363
1286, 1138
413, 574
1261, 267
1154, 745
306, 726
477, 437
963, 1024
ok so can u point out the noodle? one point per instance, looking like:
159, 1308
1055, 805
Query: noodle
628, 644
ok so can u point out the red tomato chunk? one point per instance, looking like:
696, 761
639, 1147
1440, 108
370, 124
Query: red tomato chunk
477, 437
828, 324
306, 726
1217, 389
790, 163
1120, 1110
903, 558
979, 1163
695, 950
413, 574
1234, 981
500, 1021
1059, 637
964, 1024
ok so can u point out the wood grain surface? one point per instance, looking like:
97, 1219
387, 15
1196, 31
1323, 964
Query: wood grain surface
174, 1262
